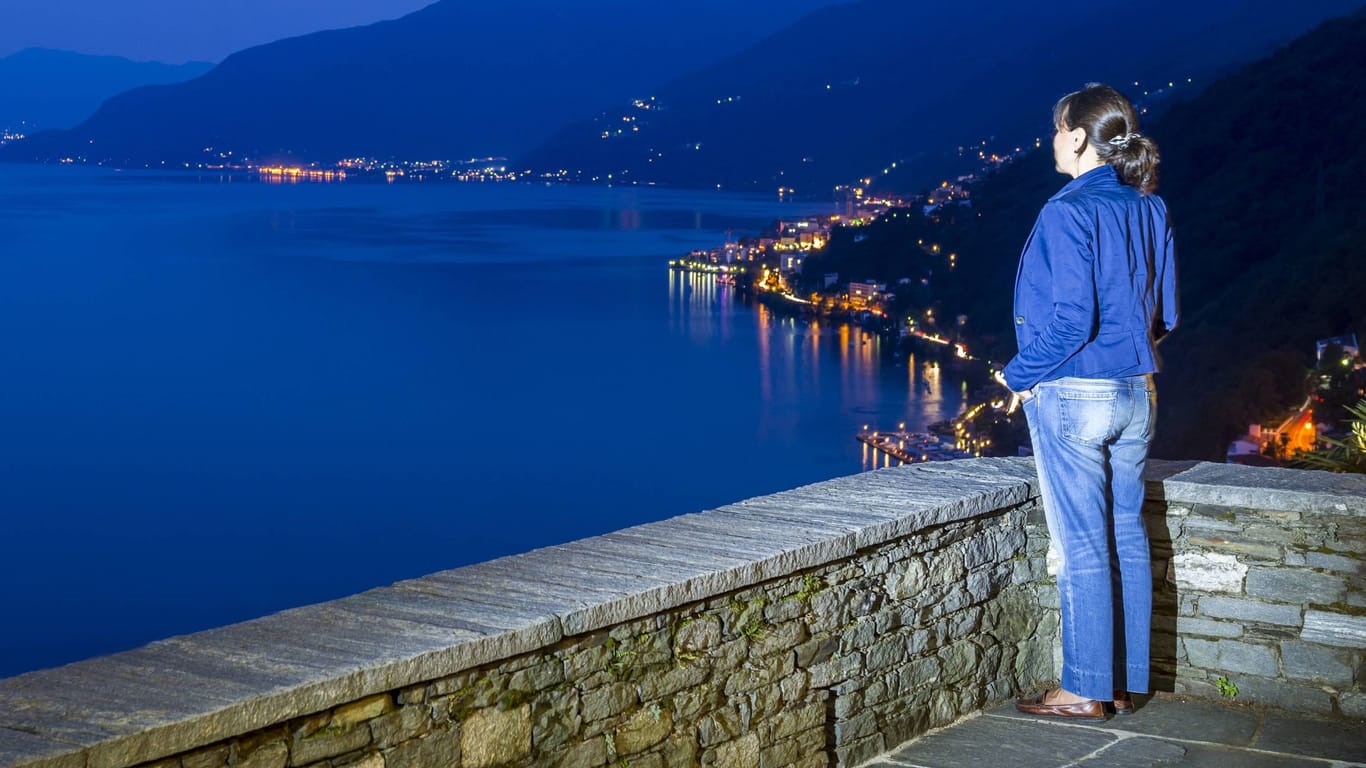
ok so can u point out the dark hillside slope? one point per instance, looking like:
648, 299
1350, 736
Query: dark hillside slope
1263, 172
847, 90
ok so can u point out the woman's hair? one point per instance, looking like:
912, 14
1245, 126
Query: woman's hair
1111, 126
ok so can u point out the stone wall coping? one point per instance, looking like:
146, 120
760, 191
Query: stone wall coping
185, 692
1271, 488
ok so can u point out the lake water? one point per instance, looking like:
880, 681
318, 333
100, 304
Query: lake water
222, 398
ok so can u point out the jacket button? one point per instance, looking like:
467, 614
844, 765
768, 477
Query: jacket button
1019, 319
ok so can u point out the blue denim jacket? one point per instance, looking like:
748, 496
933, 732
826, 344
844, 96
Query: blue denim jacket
1096, 286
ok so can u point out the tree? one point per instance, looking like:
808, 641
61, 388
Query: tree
1345, 455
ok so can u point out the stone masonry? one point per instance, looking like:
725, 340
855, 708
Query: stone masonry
1262, 597
819, 626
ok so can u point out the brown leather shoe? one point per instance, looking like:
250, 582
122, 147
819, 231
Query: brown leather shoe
1088, 710
1123, 703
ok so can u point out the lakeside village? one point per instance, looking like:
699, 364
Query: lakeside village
769, 267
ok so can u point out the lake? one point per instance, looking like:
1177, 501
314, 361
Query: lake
223, 398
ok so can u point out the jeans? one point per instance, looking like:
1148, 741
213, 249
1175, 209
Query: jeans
1090, 441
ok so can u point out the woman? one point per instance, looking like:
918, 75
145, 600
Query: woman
1096, 287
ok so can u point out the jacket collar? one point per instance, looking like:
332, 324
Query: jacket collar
1101, 175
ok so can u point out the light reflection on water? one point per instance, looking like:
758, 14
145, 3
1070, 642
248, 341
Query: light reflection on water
216, 393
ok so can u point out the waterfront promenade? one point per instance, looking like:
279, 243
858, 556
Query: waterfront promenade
1166, 730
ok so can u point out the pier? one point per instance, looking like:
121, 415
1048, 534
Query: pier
907, 447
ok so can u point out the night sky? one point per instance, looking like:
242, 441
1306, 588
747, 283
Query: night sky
175, 31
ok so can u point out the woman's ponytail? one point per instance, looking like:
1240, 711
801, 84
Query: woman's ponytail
1111, 125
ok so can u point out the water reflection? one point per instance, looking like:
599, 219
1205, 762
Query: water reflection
815, 377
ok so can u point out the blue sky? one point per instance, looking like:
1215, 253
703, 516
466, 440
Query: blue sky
174, 31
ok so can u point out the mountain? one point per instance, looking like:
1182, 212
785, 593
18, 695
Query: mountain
455, 79
1261, 172
849, 89
41, 88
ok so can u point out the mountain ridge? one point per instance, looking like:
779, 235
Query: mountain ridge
450, 80
48, 88
932, 91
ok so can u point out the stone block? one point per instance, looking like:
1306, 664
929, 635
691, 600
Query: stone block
779, 638
538, 677
328, 741
740, 753
836, 670
759, 673
1250, 610
647, 727
1340, 563
1293, 585
1279, 693
368, 760
587, 754
213, 757
698, 634
810, 717
366, 709
1207, 572
680, 751
782, 753
490, 736
860, 752
958, 661
608, 701
1306, 661
274, 754
1334, 629
1352, 704
400, 725
1187, 625
816, 651
721, 726
1247, 658
662, 683
1203, 654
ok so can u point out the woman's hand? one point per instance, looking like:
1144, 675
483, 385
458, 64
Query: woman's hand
1016, 398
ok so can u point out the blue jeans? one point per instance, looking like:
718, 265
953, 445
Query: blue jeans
1090, 441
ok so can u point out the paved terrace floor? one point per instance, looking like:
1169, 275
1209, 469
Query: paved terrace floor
1164, 731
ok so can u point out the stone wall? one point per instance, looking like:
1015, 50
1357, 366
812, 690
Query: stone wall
820, 626
1263, 589
815, 627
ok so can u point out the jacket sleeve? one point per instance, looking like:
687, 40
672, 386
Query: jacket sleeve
1167, 311
1065, 251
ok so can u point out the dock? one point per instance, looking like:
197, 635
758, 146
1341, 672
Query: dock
911, 447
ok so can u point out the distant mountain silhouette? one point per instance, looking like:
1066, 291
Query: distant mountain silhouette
849, 89
57, 89
455, 79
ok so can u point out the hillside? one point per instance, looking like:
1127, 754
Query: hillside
1271, 221
57, 89
851, 88
455, 79
1261, 172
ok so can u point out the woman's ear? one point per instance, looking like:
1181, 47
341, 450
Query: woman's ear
1077, 138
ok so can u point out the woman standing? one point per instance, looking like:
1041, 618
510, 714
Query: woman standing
1095, 290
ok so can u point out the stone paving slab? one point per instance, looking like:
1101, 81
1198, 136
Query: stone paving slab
1164, 731
1194, 720
984, 741
1284, 732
